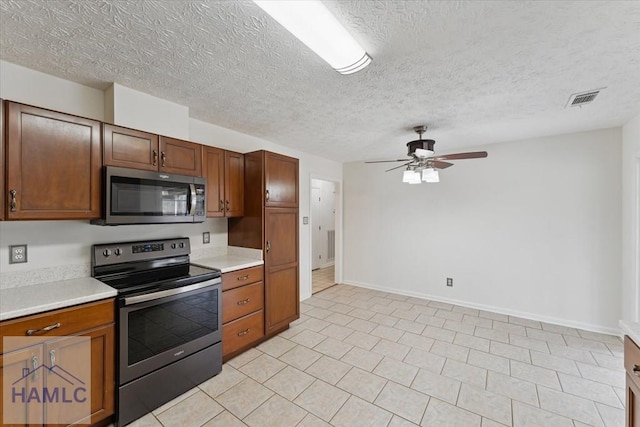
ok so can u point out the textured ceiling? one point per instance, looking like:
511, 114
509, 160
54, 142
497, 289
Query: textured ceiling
476, 72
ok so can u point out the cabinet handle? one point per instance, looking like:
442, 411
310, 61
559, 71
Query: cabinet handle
52, 358
34, 368
243, 302
163, 157
636, 370
227, 206
12, 205
243, 278
243, 333
45, 329
155, 158
221, 206
267, 194
268, 246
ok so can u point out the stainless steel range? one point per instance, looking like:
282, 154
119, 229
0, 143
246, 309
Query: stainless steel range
168, 321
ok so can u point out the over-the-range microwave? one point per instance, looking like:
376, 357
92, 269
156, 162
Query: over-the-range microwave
132, 196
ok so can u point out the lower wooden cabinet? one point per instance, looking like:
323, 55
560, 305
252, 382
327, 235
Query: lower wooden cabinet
43, 362
242, 333
632, 366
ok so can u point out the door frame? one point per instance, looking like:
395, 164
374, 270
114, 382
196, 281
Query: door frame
338, 200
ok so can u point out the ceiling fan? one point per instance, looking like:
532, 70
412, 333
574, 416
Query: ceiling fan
423, 165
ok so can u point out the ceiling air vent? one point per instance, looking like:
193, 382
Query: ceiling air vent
583, 98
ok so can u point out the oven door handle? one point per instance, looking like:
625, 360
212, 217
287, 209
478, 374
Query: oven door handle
169, 292
192, 209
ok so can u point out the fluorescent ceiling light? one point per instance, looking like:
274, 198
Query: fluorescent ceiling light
312, 23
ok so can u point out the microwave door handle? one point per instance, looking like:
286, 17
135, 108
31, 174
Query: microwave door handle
192, 209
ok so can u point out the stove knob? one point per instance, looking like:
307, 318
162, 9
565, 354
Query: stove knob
182, 245
106, 253
173, 246
117, 252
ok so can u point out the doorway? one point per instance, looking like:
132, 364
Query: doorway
323, 234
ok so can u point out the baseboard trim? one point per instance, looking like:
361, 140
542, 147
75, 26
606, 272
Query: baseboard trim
494, 309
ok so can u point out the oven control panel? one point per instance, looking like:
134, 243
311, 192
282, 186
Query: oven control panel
116, 253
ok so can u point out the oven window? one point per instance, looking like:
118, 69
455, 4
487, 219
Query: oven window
144, 197
168, 325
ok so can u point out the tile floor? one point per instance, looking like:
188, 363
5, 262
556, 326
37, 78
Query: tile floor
358, 357
322, 278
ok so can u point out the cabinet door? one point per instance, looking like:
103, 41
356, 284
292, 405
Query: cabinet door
282, 300
181, 157
281, 175
129, 148
281, 235
14, 366
234, 183
54, 163
633, 403
213, 169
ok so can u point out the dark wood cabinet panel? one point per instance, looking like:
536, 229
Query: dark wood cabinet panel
2, 166
281, 227
242, 333
281, 175
234, 183
130, 148
54, 163
632, 367
12, 365
282, 298
213, 167
181, 157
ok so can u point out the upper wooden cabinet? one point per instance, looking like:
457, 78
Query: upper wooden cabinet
224, 171
281, 181
53, 164
136, 149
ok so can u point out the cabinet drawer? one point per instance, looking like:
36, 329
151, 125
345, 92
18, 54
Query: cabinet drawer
242, 332
71, 321
241, 301
237, 278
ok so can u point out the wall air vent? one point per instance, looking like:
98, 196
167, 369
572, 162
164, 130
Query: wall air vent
582, 98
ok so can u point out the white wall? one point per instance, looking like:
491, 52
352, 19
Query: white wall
533, 230
631, 219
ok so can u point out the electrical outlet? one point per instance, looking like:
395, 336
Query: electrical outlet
17, 254
206, 237
449, 281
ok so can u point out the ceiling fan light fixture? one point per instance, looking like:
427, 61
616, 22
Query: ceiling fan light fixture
411, 177
315, 26
430, 175
422, 153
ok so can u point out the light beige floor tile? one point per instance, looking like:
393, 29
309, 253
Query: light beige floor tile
276, 411
308, 338
492, 334
315, 325
361, 313
276, 346
493, 316
403, 401
616, 349
399, 304
509, 328
465, 373
442, 414
357, 412
525, 322
223, 381
556, 363
244, 358
397, 421
441, 305
437, 386
598, 392
410, 315
564, 330
610, 362
529, 343
514, 388
417, 341
595, 336
431, 320
362, 340
319, 313
147, 421
340, 319
426, 360
384, 319
322, 399
528, 416
328, 369
397, 371
362, 384
363, 359
450, 315
300, 357
224, 419
486, 422
535, 374
477, 321
469, 341
289, 382
262, 368
312, 421
291, 332
175, 401
489, 361
572, 353
550, 337
485, 403
583, 344
439, 333
612, 377
340, 308
243, 398
450, 351
382, 309
194, 410
362, 325
336, 331
612, 417
391, 349
568, 405
387, 332
466, 310
465, 328
510, 351
334, 348
409, 326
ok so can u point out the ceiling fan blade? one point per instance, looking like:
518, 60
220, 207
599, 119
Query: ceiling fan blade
440, 165
459, 156
387, 161
398, 167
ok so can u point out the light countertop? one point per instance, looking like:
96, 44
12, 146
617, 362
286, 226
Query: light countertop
227, 263
632, 329
26, 300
